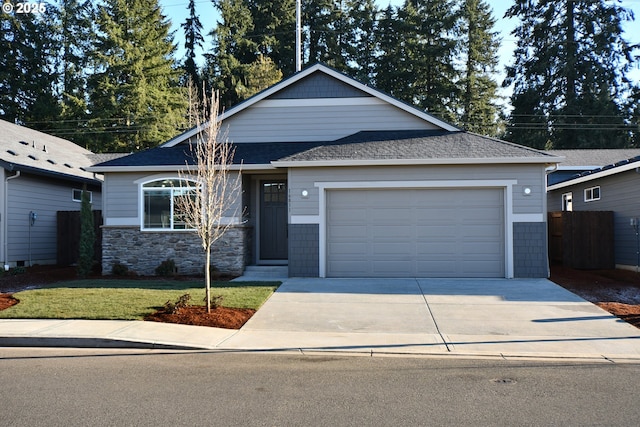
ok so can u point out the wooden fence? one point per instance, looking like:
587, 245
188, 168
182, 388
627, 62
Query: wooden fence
68, 237
582, 240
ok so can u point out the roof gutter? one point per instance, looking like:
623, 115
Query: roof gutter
409, 162
5, 217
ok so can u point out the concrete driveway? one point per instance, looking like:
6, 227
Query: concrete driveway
522, 317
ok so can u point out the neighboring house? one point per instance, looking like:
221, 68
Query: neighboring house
340, 180
40, 175
584, 160
614, 187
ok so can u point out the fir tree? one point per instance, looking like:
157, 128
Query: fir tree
480, 44
77, 35
136, 101
569, 73
28, 73
193, 40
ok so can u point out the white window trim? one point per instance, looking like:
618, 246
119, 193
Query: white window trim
80, 199
590, 190
141, 190
563, 201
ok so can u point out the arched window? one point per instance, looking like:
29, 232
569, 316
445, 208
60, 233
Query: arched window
160, 203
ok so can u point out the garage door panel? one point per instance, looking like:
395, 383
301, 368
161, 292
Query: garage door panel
415, 232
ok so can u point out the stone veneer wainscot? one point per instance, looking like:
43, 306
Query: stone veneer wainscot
143, 251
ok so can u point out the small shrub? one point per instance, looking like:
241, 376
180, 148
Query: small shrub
216, 300
119, 269
17, 270
175, 307
166, 268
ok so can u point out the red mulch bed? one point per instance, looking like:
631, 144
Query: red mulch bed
42, 276
616, 291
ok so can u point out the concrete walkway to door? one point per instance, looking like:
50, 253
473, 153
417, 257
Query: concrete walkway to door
475, 317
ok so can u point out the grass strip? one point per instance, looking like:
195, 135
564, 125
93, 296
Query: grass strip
128, 299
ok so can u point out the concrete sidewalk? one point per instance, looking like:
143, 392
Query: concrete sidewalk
531, 318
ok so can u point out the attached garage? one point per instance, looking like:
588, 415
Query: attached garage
449, 232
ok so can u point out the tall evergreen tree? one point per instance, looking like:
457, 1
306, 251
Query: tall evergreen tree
244, 57
275, 23
390, 71
192, 41
28, 72
479, 44
362, 26
233, 50
568, 76
77, 36
136, 100
427, 77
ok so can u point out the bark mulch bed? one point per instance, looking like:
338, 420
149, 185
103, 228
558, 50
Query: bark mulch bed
616, 291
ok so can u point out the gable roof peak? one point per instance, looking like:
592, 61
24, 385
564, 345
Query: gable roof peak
300, 75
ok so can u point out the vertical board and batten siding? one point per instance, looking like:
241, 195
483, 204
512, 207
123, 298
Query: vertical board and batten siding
46, 197
316, 123
619, 193
122, 196
527, 176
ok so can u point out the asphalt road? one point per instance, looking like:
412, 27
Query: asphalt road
69, 387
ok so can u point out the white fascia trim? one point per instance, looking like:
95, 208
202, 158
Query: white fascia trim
409, 162
528, 217
305, 219
597, 175
173, 168
322, 185
319, 102
506, 185
128, 222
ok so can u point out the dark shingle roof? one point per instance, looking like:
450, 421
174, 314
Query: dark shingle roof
366, 145
415, 144
592, 158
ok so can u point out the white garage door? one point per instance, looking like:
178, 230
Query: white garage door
415, 233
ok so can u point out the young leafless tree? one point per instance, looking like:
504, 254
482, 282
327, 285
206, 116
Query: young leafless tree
208, 206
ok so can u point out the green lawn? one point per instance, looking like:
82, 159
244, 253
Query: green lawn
128, 299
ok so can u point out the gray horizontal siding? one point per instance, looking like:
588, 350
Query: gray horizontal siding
46, 198
526, 175
619, 193
319, 123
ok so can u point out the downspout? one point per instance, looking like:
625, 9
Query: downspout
5, 217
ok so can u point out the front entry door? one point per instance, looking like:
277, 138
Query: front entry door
273, 220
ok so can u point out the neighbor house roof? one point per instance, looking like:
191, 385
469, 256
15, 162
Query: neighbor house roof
28, 150
607, 170
397, 147
593, 159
